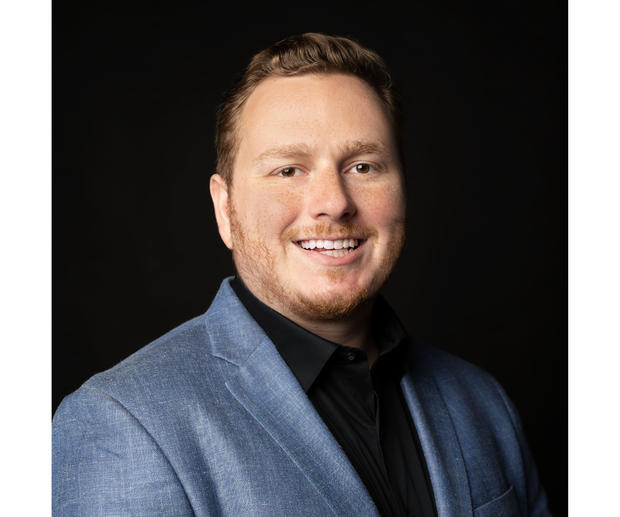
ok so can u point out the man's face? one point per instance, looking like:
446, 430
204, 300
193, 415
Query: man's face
315, 213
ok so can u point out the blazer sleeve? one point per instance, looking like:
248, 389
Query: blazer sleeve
536, 495
105, 463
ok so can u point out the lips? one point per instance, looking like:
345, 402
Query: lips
328, 244
330, 247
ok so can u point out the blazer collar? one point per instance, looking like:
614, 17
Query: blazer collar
438, 438
269, 391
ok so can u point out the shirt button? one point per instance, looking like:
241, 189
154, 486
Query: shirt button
350, 356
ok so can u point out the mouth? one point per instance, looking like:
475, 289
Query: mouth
331, 247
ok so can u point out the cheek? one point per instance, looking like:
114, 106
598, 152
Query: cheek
384, 207
270, 212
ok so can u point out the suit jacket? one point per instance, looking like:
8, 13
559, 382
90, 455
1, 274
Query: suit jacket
208, 420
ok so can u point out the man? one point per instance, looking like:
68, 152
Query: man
298, 392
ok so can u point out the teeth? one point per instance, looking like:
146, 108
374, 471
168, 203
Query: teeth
336, 253
337, 245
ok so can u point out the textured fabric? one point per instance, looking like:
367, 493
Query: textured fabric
362, 407
208, 420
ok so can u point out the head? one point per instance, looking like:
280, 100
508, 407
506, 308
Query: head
309, 194
309, 53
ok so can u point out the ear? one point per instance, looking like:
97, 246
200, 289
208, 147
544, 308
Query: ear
219, 195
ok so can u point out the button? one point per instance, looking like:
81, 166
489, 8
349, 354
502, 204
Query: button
350, 356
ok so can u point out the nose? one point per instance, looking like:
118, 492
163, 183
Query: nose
329, 198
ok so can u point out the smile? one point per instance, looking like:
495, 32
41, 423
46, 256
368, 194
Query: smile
333, 248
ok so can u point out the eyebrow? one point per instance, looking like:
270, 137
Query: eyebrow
355, 147
284, 151
351, 148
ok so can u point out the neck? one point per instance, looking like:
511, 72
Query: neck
352, 331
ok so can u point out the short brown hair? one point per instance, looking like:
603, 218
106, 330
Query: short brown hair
297, 55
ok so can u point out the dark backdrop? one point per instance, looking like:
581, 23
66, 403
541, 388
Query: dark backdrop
483, 275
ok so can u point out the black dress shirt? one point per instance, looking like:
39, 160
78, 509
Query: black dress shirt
363, 407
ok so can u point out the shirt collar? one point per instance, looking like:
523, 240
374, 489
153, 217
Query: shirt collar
305, 353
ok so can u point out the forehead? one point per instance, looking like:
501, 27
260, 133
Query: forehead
316, 110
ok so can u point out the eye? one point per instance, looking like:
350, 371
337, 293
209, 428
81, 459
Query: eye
288, 172
362, 168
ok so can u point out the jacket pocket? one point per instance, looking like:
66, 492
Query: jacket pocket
504, 505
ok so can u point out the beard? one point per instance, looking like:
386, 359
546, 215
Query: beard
257, 267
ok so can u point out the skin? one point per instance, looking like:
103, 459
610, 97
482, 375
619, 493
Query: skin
317, 158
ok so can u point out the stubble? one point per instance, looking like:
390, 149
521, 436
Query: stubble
256, 265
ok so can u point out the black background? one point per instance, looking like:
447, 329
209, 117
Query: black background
484, 271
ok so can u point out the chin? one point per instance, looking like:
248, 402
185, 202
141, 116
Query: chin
332, 304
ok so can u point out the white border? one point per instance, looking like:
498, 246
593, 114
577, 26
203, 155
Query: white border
25, 258
594, 257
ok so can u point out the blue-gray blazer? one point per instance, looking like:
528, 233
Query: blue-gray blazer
208, 420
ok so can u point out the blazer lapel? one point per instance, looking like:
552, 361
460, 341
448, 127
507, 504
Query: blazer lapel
440, 444
267, 389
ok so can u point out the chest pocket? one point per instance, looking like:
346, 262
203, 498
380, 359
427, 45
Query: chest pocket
503, 506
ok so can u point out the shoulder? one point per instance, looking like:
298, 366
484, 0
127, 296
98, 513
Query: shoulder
183, 363
171, 354
131, 394
121, 441
447, 369
108, 457
161, 365
464, 387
